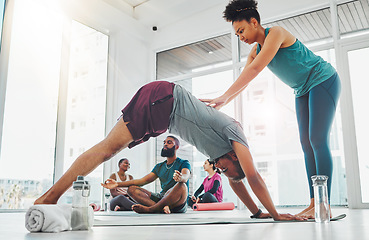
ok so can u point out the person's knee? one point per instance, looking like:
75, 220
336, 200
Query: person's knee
318, 142
181, 188
305, 142
208, 197
182, 185
109, 148
132, 190
115, 202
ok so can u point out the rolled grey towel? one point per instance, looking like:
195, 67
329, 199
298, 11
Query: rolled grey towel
48, 218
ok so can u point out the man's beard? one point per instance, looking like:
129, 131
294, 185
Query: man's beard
168, 152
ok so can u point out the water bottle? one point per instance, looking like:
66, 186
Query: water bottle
81, 216
107, 202
322, 211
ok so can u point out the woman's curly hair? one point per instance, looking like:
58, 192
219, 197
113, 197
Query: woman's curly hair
238, 10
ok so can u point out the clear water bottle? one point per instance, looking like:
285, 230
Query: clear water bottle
107, 202
322, 211
81, 216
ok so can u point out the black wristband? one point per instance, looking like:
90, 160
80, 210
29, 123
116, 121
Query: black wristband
256, 215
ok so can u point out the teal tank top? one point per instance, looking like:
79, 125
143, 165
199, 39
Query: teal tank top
299, 67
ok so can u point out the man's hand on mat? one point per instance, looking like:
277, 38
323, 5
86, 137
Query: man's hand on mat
110, 184
288, 217
177, 176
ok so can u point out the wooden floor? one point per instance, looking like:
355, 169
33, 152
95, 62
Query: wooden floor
354, 226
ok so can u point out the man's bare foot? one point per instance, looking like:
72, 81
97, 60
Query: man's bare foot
166, 210
138, 208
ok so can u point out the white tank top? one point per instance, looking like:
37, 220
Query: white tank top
121, 190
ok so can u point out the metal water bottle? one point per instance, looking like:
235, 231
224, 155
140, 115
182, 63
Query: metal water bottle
80, 219
322, 211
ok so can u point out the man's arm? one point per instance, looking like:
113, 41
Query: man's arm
111, 183
256, 182
242, 193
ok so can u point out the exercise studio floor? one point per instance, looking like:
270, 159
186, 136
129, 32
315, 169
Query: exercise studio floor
199, 225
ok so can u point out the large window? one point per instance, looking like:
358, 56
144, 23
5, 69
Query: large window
86, 99
55, 102
358, 60
30, 115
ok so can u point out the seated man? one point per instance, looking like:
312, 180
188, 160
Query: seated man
173, 174
158, 106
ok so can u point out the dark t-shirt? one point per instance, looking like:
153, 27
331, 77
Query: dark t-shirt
165, 173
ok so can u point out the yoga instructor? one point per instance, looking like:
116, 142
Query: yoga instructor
315, 82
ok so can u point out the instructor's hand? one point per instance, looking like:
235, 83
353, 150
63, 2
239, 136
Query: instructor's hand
110, 184
216, 103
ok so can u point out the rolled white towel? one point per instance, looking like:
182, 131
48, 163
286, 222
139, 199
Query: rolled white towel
49, 218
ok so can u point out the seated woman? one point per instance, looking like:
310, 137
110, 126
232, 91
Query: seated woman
212, 185
121, 201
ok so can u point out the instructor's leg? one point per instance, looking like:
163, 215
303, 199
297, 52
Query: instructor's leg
118, 138
322, 104
302, 114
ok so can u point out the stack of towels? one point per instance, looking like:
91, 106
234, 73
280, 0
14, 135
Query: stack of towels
51, 218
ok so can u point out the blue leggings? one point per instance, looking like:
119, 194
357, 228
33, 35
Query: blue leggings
315, 113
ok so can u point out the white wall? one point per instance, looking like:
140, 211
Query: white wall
210, 23
192, 29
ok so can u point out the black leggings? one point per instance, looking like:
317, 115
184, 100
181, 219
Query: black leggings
206, 198
125, 203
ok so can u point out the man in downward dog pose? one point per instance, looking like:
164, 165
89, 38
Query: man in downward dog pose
159, 106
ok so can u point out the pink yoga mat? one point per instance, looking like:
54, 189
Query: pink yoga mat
213, 206
95, 207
